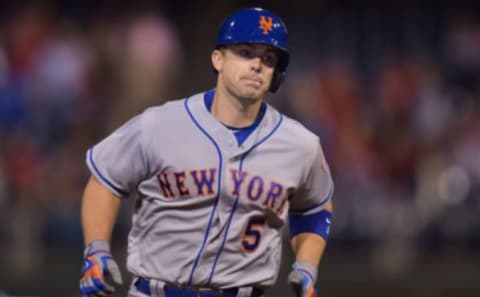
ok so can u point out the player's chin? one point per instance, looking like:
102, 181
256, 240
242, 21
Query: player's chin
254, 91
252, 95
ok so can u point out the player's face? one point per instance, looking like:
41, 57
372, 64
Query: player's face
245, 70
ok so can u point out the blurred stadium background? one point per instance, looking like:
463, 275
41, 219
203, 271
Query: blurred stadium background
392, 88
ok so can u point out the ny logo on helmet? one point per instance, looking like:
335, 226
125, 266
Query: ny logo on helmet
266, 24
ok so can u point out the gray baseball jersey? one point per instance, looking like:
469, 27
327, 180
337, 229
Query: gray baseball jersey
210, 212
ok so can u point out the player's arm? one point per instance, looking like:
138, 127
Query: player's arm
98, 215
99, 211
117, 164
309, 235
310, 246
310, 216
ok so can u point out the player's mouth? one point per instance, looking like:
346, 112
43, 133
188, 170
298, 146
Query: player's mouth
253, 81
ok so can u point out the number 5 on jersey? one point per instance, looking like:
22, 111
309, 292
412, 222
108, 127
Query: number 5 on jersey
253, 233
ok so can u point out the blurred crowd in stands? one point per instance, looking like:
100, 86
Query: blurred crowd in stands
393, 94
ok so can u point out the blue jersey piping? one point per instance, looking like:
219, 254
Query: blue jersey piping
100, 175
218, 190
329, 195
236, 199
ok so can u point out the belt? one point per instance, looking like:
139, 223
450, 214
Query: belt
143, 285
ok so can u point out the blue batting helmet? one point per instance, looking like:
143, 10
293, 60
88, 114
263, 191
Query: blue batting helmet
257, 25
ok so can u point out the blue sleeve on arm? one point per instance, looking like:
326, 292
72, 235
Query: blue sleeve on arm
318, 223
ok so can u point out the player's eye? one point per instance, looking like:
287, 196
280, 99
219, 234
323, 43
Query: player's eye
269, 59
244, 52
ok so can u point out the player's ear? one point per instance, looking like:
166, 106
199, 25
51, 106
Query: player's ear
217, 59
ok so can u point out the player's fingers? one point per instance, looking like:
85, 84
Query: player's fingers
101, 288
103, 285
114, 273
86, 287
94, 287
101, 294
90, 287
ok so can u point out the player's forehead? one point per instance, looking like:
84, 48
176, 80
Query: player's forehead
260, 47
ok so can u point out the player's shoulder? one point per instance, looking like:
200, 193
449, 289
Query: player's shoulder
299, 139
163, 113
164, 108
174, 107
294, 136
299, 128
297, 132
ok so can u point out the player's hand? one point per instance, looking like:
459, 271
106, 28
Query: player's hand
302, 279
99, 266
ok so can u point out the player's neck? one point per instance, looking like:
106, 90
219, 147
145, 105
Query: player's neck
234, 112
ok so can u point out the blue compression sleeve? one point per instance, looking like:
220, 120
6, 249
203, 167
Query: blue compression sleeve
318, 223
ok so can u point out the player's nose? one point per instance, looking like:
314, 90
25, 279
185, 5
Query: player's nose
256, 63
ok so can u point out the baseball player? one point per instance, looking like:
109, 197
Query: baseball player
215, 178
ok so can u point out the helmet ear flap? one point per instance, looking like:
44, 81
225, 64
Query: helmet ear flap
277, 79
